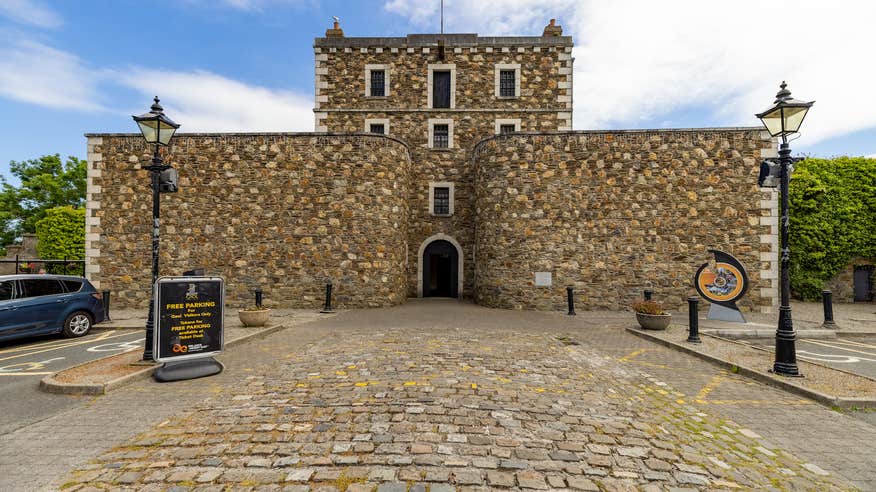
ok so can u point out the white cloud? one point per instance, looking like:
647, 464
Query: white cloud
35, 73
30, 12
206, 102
638, 61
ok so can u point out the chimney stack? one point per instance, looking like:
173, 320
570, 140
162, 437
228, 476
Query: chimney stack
552, 29
335, 31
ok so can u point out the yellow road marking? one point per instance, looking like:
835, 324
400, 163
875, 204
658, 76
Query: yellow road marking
632, 354
636, 353
710, 386
25, 373
102, 336
58, 343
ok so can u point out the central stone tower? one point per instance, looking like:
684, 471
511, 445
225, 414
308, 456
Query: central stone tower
441, 94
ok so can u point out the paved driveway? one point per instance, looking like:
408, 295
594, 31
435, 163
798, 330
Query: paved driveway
445, 395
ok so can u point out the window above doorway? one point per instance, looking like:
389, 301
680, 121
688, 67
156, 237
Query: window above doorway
440, 133
441, 199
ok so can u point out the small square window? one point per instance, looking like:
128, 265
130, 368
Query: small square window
507, 83
378, 83
377, 128
440, 136
503, 129
441, 201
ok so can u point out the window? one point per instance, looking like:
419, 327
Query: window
507, 80
441, 86
72, 285
441, 137
506, 83
377, 80
378, 83
507, 125
440, 133
441, 199
441, 89
377, 125
34, 287
6, 290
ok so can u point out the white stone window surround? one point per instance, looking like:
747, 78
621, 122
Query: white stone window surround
508, 66
440, 184
386, 77
377, 121
441, 121
450, 67
507, 121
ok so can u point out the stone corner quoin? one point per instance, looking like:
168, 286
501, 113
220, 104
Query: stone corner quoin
607, 212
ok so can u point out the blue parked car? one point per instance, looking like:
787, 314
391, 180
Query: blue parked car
44, 304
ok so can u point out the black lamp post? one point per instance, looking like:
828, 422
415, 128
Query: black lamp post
784, 118
157, 129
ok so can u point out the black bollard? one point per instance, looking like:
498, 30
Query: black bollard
693, 320
328, 299
648, 294
827, 300
570, 299
258, 298
105, 295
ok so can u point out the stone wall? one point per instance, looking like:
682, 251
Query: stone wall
283, 212
612, 213
544, 105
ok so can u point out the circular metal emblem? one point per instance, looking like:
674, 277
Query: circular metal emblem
725, 283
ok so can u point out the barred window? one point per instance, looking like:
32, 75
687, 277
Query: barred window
503, 129
378, 86
441, 201
507, 84
440, 136
377, 128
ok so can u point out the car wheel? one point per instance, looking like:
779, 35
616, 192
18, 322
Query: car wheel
78, 324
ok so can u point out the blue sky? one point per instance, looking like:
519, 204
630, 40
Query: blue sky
68, 68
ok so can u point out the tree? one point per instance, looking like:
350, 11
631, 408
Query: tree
61, 234
45, 183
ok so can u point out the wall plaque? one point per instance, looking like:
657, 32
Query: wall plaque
543, 279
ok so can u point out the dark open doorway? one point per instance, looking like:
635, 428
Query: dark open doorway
863, 283
440, 270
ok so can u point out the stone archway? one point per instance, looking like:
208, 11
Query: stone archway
423, 252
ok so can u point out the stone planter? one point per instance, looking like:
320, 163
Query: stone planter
254, 318
654, 321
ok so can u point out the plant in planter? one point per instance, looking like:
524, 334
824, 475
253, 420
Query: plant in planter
651, 316
254, 316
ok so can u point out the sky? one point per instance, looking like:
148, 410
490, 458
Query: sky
75, 67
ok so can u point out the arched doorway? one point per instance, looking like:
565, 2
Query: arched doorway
440, 267
440, 262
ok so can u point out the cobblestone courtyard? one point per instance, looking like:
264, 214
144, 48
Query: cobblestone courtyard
436, 395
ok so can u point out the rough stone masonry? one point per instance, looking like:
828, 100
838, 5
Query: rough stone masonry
401, 121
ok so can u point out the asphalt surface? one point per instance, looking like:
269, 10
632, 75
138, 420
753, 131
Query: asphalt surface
856, 354
24, 362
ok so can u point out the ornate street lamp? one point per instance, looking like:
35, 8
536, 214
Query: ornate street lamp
157, 129
784, 118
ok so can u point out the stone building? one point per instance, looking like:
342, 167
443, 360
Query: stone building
442, 165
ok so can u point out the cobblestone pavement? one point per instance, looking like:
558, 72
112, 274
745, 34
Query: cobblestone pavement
438, 396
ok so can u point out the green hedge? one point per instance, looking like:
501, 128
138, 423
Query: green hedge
833, 219
61, 234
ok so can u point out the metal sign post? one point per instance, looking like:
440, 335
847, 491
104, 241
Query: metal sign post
189, 314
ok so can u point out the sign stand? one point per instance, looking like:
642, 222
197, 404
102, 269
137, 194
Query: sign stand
192, 369
189, 314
